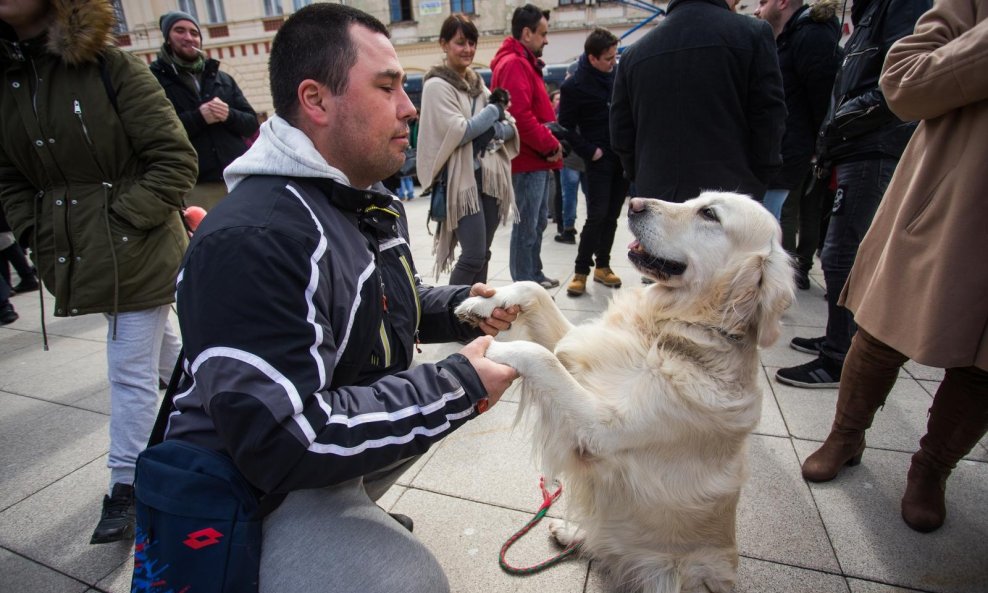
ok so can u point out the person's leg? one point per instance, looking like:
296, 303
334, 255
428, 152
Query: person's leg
492, 220
598, 197
470, 234
773, 201
958, 420
548, 187
570, 180
132, 367
870, 370
25, 271
7, 313
556, 203
359, 547
617, 191
171, 346
528, 200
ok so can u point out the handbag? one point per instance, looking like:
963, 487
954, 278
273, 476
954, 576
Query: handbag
437, 200
198, 519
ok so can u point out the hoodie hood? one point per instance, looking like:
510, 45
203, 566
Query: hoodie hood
513, 47
823, 10
79, 31
281, 150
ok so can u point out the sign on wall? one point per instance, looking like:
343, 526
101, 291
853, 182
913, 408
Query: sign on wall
428, 7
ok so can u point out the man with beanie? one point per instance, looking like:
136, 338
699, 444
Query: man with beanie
214, 112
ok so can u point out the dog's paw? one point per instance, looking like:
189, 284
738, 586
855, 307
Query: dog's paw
565, 533
475, 309
520, 355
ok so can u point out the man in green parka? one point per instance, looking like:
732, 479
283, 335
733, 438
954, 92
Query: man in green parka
93, 167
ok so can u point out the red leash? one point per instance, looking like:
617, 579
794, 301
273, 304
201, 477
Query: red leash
547, 500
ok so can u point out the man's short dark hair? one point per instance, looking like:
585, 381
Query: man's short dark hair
527, 17
598, 41
315, 43
455, 23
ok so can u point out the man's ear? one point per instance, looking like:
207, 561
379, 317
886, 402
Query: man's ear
315, 101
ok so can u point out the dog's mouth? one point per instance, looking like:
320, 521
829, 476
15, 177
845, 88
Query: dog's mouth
650, 265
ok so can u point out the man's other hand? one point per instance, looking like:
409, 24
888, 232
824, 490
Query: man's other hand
500, 319
495, 377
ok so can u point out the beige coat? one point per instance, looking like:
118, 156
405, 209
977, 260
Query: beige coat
920, 280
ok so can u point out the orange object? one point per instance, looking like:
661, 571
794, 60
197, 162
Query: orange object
193, 216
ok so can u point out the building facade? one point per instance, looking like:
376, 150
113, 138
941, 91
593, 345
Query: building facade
239, 32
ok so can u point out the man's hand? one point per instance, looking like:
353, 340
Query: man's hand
214, 111
500, 319
597, 154
557, 155
495, 377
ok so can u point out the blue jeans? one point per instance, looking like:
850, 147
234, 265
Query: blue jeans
860, 187
532, 191
133, 361
569, 179
773, 201
407, 190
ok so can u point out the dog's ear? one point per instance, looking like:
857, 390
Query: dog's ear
760, 292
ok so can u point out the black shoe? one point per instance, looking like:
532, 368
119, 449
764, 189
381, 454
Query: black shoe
117, 520
7, 314
162, 385
819, 373
405, 521
808, 345
568, 237
802, 280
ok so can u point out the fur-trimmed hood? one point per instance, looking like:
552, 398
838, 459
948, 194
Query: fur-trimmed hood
823, 10
79, 31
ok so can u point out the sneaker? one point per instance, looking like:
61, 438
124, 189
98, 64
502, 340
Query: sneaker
808, 345
548, 283
818, 373
606, 277
802, 280
578, 285
7, 314
117, 520
568, 236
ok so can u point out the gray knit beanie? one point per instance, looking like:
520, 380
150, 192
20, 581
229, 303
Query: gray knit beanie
168, 20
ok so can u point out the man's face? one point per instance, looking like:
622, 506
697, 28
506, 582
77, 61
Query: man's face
605, 63
184, 40
368, 133
770, 11
537, 39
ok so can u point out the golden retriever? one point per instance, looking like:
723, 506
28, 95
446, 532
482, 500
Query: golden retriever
644, 413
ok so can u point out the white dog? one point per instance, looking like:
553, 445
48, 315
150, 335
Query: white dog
644, 414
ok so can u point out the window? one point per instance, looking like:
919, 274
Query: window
298, 5
121, 25
272, 8
401, 10
188, 7
464, 6
571, 2
215, 12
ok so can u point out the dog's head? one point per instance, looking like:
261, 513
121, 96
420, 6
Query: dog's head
717, 258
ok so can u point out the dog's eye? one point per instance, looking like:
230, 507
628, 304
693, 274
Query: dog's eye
709, 213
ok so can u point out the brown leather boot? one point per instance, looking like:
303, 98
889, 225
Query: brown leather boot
870, 371
958, 420
578, 285
607, 277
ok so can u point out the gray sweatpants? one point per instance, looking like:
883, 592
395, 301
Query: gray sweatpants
337, 540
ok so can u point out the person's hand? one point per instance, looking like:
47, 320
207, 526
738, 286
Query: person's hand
495, 377
597, 154
214, 111
557, 155
500, 319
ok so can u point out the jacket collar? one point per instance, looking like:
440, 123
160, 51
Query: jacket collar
676, 3
513, 46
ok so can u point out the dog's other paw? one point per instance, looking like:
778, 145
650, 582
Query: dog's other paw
475, 309
565, 533
523, 356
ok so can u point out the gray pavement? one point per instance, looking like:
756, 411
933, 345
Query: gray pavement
473, 490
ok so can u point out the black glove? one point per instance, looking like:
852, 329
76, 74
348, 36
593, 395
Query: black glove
500, 97
561, 134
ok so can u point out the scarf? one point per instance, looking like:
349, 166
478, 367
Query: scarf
188, 72
448, 101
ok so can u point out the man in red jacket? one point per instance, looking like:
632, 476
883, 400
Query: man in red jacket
517, 68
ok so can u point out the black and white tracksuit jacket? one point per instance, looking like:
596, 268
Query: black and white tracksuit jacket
300, 308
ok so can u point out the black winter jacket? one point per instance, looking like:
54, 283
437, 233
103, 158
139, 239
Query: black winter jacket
217, 144
584, 108
859, 124
300, 308
698, 104
809, 55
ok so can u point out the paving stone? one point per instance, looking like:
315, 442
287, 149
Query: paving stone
118, 581
923, 372
27, 369
777, 518
41, 442
21, 575
781, 354
758, 576
859, 586
466, 536
54, 525
771, 422
861, 512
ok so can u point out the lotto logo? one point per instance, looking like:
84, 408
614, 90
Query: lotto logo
202, 538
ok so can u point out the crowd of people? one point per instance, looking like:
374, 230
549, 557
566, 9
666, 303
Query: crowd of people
864, 144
